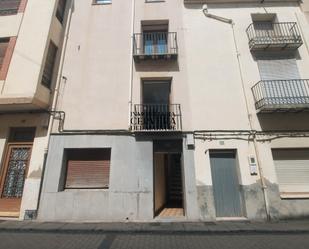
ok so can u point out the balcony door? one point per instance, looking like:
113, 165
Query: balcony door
155, 38
14, 170
281, 79
155, 42
156, 105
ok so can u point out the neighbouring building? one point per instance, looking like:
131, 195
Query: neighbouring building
30, 44
156, 110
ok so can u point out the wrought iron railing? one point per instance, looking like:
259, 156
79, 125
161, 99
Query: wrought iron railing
267, 34
155, 44
9, 7
156, 117
281, 94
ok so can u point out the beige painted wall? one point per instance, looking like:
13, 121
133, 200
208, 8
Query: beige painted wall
97, 67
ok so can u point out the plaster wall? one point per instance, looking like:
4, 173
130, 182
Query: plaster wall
130, 194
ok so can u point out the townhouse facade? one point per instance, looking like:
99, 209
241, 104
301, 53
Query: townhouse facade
157, 110
30, 44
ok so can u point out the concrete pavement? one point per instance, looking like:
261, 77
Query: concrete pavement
280, 227
34, 240
164, 235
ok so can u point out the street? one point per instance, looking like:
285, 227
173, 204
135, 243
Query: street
131, 240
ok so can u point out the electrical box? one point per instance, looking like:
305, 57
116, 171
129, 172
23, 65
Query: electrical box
190, 141
253, 166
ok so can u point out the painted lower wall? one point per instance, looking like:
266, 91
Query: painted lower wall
250, 185
130, 194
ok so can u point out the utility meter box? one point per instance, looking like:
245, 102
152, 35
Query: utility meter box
253, 165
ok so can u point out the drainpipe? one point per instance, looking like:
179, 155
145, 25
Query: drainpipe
131, 64
56, 94
263, 183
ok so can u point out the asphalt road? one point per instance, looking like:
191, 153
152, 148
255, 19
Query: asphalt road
35, 240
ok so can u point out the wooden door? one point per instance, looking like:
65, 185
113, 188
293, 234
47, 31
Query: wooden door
13, 175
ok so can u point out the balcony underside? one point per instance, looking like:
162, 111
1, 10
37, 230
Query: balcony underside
275, 44
280, 108
142, 57
22, 104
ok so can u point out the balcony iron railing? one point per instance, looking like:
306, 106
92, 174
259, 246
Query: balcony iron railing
156, 117
266, 35
155, 45
9, 7
281, 95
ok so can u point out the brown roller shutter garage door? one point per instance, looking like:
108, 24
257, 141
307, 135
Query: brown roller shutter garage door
87, 168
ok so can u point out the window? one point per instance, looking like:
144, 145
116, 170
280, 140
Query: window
6, 52
292, 168
87, 168
61, 10
49, 65
102, 1
9, 7
4, 43
278, 67
155, 38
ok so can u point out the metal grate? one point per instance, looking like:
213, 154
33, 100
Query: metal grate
155, 45
281, 94
263, 35
156, 117
14, 182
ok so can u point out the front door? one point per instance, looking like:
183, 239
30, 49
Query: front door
13, 172
225, 184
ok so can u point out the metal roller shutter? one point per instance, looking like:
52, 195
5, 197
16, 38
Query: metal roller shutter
88, 168
278, 68
292, 168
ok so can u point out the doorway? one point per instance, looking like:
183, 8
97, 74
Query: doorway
14, 170
156, 105
168, 181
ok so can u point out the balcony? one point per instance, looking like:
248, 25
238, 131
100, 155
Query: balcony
155, 45
9, 7
271, 36
281, 95
156, 117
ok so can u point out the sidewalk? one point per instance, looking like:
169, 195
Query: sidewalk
280, 227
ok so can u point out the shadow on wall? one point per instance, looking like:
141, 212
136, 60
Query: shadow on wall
157, 66
284, 121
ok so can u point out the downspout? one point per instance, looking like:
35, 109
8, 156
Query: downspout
56, 94
263, 183
131, 65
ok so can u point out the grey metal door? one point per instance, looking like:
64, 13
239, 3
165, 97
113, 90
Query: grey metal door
225, 184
